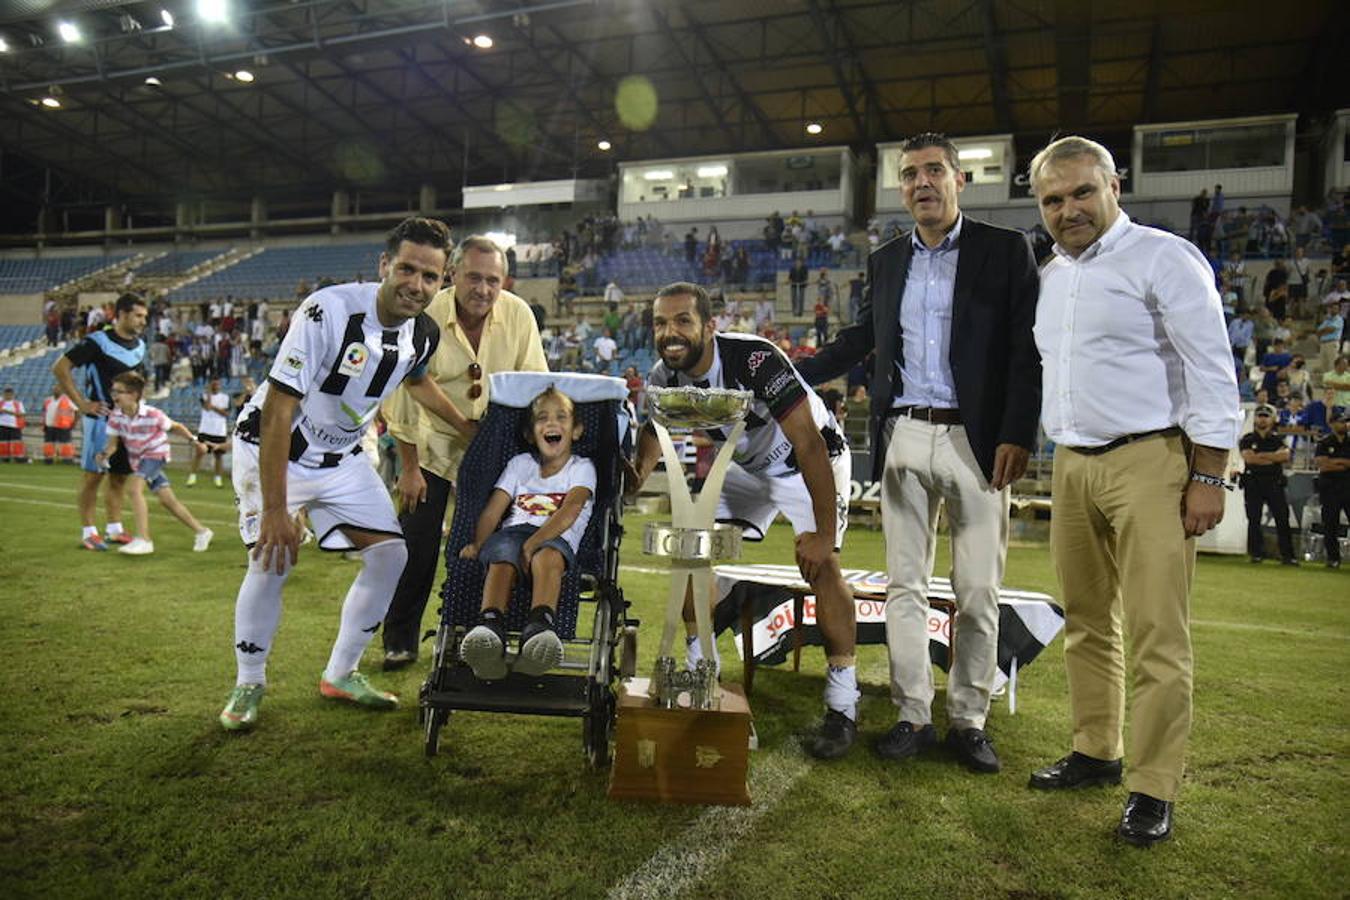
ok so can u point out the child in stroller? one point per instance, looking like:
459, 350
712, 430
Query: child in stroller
546, 495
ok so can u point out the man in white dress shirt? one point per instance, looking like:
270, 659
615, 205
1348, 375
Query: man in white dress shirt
1141, 402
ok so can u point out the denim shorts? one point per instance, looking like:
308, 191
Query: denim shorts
152, 470
504, 547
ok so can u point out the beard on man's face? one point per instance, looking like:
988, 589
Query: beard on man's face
687, 353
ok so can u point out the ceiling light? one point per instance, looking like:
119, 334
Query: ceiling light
712, 171
69, 33
244, 75
51, 102
4, 47
167, 17
975, 153
152, 80
658, 175
502, 187
213, 10
604, 145
814, 128
482, 42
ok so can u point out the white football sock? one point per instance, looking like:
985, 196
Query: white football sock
257, 610
89, 531
367, 602
693, 652
841, 690
114, 528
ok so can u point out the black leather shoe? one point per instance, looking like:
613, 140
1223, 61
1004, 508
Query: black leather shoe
1289, 562
903, 741
1076, 770
1146, 820
837, 734
973, 748
398, 659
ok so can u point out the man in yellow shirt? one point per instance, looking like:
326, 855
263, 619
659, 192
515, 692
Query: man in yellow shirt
484, 329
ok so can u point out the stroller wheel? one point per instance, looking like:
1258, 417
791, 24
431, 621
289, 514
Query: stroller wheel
598, 726
435, 720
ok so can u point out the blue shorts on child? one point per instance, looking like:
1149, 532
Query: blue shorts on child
152, 470
504, 547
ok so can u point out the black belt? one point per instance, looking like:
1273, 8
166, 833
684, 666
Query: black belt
1127, 439
929, 414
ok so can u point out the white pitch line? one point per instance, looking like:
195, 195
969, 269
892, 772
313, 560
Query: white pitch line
682, 864
643, 570
72, 490
209, 520
1273, 629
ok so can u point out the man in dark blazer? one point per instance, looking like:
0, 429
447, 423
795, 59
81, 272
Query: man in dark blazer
955, 399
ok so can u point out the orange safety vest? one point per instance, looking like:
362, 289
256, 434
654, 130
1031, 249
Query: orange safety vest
12, 408
58, 412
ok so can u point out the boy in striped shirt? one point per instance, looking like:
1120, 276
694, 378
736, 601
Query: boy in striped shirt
144, 431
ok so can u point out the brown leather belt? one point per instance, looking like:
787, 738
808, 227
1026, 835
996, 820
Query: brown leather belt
929, 414
1126, 439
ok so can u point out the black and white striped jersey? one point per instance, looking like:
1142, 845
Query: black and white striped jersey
342, 363
749, 362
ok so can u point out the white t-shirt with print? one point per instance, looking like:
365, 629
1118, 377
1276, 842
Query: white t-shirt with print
534, 497
212, 422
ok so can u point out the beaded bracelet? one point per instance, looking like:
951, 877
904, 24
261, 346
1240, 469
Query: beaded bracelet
1212, 480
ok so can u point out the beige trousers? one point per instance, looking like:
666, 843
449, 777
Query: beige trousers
1121, 553
927, 465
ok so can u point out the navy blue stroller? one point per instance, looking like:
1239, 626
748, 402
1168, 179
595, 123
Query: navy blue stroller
584, 685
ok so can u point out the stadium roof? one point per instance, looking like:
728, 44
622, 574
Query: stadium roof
385, 95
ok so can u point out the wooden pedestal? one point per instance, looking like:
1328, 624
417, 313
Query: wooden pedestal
681, 755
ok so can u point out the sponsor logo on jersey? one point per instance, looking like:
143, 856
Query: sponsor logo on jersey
354, 359
315, 313
779, 384
295, 360
757, 359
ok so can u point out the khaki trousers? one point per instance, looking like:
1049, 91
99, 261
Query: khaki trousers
927, 465
1120, 552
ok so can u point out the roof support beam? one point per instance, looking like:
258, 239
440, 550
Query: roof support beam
832, 54
995, 53
702, 85
1073, 61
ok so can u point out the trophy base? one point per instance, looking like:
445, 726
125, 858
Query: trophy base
670, 683
681, 755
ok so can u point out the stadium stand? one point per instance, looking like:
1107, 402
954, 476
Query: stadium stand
29, 276
176, 263
274, 272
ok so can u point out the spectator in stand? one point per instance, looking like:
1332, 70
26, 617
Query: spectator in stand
1235, 271
764, 312
630, 337
1240, 332
1199, 213
1265, 452
1329, 333
613, 295
1339, 379
540, 314
606, 349
612, 319
637, 390
1273, 364
1307, 226
1275, 289
838, 243
798, 275
1332, 458
1300, 282
1264, 332
691, 252
1300, 384
645, 316
160, 360
855, 297
1320, 412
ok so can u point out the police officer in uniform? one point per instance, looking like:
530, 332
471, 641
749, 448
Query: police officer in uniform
1265, 454
1333, 483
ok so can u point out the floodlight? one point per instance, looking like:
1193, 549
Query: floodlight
4, 46
658, 175
213, 10
603, 145
244, 75
975, 153
167, 18
69, 32
482, 42
711, 171
51, 103
814, 128
152, 80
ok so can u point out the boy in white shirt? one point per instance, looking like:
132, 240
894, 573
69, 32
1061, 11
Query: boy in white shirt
549, 494
145, 431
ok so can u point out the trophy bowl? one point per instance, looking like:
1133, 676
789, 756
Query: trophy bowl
695, 407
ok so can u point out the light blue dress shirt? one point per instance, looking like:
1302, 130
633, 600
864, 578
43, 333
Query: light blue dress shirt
926, 324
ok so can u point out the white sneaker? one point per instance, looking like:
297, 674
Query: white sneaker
219, 482
191, 479
202, 541
137, 547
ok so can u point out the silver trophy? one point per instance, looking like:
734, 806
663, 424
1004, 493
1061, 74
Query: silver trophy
692, 540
